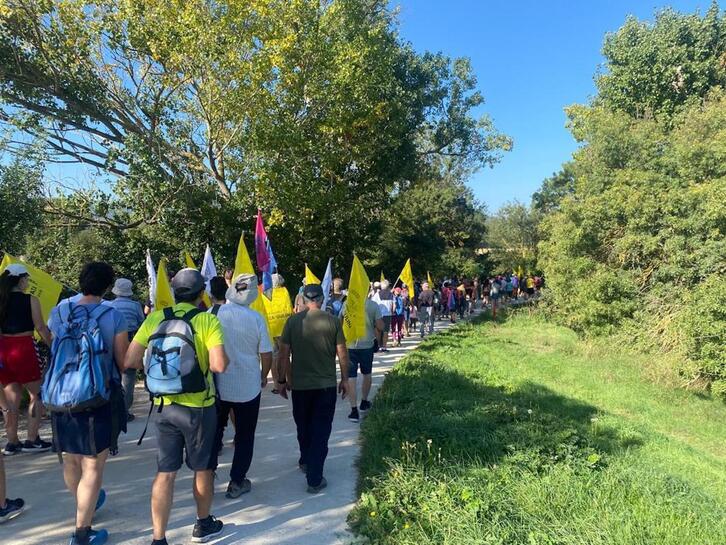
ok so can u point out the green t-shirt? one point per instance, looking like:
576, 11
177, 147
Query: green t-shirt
207, 334
313, 335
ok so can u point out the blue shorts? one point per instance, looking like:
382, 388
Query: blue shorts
362, 357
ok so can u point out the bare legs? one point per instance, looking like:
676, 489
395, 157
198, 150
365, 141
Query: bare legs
83, 476
14, 395
162, 497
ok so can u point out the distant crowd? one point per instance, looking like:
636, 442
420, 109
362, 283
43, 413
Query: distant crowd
205, 362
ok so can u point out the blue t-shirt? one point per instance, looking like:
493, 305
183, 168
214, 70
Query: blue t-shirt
111, 323
130, 309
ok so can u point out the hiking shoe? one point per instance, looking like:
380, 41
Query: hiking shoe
11, 449
354, 416
101, 499
11, 510
206, 529
36, 446
365, 405
94, 537
316, 489
235, 490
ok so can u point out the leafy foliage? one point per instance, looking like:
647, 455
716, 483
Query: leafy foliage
21, 203
639, 246
512, 237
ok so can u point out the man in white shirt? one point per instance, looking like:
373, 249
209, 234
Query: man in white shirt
384, 299
246, 342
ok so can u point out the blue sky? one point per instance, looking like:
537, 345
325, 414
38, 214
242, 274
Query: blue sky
532, 58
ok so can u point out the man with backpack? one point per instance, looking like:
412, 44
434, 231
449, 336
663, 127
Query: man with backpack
179, 348
82, 389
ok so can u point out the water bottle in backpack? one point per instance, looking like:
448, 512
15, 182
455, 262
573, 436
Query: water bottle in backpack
170, 361
78, 376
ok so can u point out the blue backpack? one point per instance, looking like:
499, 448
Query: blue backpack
78, 378
170, 361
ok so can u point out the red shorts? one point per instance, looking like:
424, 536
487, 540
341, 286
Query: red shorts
19, 361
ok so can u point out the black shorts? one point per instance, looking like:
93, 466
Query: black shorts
386, 323
185, 429
86, 433
362, 357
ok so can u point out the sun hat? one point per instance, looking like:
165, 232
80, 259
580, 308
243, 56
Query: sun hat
313, 292
17, 269
243, 290
123, 288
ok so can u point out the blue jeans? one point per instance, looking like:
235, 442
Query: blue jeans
313, 411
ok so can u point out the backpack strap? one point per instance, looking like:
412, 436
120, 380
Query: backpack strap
215, 310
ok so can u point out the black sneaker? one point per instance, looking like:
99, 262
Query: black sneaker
130, 417
354, 416
11, 449
206, 529
316, 489
11, 510
36, 446
365, 405
235, 490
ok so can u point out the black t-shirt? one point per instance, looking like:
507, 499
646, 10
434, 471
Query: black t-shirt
18, 316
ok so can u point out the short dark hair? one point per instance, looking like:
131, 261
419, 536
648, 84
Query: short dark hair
218, 287
95, 278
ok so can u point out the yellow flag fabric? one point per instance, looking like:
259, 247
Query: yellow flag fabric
428, 279
190, 265
164, 295
41, 284
354, 320
310, 278
407, 277
243, 263
382, 276
189, 261
278, 309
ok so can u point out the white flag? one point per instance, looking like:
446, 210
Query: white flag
151, 273
209, 270
327, 283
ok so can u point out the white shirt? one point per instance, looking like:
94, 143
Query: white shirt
384, 304
245, 338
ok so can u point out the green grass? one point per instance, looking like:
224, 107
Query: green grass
518, 432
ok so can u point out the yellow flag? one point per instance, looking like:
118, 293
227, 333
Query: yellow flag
190, 265
243, 263
407, 277
310, 278
354, 320
428, 279
278, 309
189, 261
382, 276
164, 295
40, 284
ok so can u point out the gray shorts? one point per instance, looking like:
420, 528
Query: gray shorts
189, 429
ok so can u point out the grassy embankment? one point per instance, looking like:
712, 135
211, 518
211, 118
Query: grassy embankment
520, 433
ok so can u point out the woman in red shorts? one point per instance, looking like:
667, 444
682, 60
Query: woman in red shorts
20, 317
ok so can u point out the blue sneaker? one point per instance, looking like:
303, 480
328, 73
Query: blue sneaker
94, 537
101, 499
11, 510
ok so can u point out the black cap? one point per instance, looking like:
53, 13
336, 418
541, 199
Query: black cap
187, 282
313, 292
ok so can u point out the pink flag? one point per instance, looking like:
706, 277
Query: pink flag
261, 253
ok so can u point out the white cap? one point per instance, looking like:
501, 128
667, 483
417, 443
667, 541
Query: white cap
17, 269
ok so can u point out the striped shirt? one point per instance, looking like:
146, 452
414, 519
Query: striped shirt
245, 338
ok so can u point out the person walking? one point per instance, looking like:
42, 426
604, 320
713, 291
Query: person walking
360, 353
426, 309
239, 387
397, 317
134, 315
186, 422
20, 318
9, 509
218, 293
84, 438
384, 298
315, 338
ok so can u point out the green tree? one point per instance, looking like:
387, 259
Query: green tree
21, 203
653, 70
512, 237
554, 189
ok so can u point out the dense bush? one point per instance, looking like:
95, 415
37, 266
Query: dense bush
638, 245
